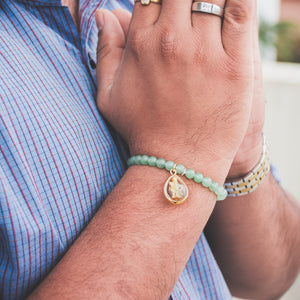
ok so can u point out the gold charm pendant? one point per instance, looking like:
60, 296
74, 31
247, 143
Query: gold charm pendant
175, 190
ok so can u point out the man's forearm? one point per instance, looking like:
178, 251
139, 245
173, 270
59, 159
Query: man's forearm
137, 244
256, 241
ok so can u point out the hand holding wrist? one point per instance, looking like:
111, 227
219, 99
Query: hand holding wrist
165, 101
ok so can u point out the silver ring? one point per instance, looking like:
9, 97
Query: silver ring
208, 8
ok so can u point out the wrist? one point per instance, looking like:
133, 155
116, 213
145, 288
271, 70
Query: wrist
201, 160
175, 189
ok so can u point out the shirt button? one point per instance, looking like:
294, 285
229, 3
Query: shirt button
92, 62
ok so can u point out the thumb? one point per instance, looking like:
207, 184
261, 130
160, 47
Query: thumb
111, 43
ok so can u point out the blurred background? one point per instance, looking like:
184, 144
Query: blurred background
279, 34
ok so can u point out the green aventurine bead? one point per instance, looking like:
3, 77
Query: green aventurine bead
138, 159
221, 194
160, 163
214, 186
189, 174
169, 165
180, 169
144, 159
152, 161
206, 181
129, 161
198, 177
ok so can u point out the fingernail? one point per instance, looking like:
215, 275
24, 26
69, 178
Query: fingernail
99, 19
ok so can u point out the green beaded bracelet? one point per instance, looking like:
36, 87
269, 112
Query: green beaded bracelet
175, 190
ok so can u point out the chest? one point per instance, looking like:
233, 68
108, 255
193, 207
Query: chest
56, 148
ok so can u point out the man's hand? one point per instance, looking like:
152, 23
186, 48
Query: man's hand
250, 150
182, 83
256, 235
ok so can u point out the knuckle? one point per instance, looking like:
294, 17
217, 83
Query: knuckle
200, 56
168, 43
238, 15
137, 41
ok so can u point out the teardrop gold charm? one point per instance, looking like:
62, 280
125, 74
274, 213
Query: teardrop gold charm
175, 190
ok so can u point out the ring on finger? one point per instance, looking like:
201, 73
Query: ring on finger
147, 2
208, 8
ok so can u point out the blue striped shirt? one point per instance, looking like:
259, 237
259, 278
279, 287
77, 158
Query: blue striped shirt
58, 158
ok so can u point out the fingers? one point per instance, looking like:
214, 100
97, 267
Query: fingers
109, 50
124, 17
169, 11
256, 59
256, 53
209, 25
145, 15
237, 30
176, 12
258, 95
